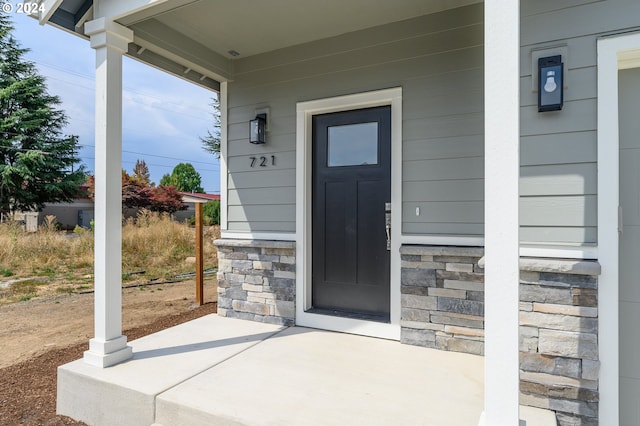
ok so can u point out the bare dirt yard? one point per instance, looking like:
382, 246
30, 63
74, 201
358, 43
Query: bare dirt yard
38, 335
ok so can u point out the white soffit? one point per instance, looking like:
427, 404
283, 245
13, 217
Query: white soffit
251, 27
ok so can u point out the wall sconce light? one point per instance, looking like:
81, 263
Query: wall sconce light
550, 83
258, 129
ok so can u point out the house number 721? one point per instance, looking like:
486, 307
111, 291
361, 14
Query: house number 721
262, 161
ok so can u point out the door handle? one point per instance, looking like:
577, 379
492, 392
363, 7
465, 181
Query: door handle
620, 222
387, 223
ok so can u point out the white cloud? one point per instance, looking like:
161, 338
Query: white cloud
163, 116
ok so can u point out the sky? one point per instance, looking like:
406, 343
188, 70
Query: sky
163, 116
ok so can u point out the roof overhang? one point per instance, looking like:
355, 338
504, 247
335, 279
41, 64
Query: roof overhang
199, 40
188, 197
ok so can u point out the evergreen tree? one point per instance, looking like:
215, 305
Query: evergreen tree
211, 142
37, 163
141, 173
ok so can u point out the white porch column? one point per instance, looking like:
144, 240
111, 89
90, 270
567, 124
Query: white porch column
109, 346
502, 170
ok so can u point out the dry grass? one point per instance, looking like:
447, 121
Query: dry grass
50, 261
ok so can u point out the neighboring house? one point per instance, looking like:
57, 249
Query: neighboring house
195, 197
190, 199
68, 215
78, 212
408, 177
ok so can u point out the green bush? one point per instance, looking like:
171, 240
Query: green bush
79, 230
206, 221
211, 209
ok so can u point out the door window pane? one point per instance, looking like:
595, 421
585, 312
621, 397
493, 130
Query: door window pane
353, 145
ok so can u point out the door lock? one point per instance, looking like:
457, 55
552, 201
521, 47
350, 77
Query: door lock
387, 223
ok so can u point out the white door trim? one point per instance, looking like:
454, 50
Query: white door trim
304, 114
614, 53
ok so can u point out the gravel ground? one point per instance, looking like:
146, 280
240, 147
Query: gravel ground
28, 387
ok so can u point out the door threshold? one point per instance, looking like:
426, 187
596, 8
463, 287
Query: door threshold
328, 319
382, 318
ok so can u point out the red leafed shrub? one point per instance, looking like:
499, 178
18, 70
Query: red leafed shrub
137, 194
165, 199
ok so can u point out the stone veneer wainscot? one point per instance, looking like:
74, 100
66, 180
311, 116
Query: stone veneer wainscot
443, 308
256, 280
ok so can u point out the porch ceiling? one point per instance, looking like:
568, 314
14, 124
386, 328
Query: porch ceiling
196, 36
251, 27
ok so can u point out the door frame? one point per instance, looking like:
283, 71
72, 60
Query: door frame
615, 52
304, 167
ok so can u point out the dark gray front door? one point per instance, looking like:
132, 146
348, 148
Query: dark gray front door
351, 184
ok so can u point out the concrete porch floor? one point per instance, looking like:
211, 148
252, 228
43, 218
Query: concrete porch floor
220, 371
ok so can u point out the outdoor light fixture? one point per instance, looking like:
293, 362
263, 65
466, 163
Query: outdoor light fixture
258, 126
550, 83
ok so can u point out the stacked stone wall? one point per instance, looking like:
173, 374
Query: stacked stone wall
443, 308
256, 280
559, 365
442, 294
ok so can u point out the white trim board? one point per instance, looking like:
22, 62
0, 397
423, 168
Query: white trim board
304, 114
614, 53
559, 251
269, 236
442, 240
526, 249
224, 175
